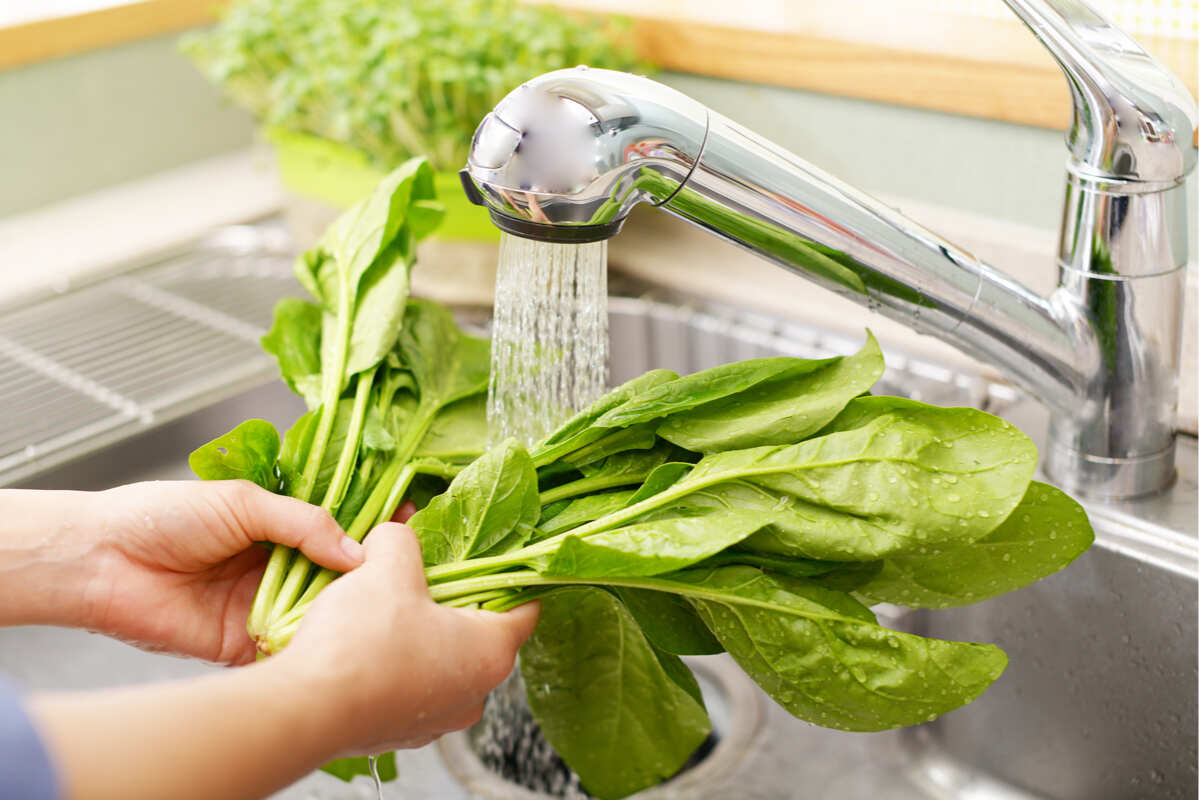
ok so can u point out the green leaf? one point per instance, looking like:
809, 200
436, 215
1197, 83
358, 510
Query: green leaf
660, 480
447, 364
603, 698
680, 673
294, 452
348, 768
782, 410
491, 507
363, 232
669, 622
247, 452
458, 432
337, 442
1045, 533
692, 391
650, 548
295, 341
821, 655
375, 435
584, 509
382, 296
791, 566
580, 429
888, 476
636, 438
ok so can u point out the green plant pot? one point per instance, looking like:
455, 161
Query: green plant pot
339, 176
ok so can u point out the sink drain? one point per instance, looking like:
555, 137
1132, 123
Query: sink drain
505, 757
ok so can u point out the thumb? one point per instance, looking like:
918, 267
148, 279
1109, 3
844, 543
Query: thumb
265, 516
518, 624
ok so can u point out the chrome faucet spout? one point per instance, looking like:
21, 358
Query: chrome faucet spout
567, 155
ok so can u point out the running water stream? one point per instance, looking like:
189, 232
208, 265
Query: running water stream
549, 341
373, 762
549, 359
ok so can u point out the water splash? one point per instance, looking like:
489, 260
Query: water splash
372, 762
549, 341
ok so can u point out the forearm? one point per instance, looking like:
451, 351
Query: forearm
243, 733
48, 557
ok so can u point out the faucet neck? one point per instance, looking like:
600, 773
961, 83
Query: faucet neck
1133, 120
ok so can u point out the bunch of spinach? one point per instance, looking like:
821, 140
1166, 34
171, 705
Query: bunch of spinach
394, 388
754, 508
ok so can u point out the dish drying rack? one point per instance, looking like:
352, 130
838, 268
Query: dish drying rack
89, 367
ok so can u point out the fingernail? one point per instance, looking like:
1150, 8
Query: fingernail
352, 549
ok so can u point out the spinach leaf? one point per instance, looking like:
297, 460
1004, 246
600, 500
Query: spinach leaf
790, 566
581, 510
1045, 532
669, 622
375, 435
891, 476
680, 673
660, 480
247, 452
458, 432
603, 698
294, 452
649, 548
489, 508
295, 341
580, 429
691, 391
821, 655
338, 441
637, 437
356, 238
446, 364
782, 410
622, 469
379, 306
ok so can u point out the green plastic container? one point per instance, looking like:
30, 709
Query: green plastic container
339, 176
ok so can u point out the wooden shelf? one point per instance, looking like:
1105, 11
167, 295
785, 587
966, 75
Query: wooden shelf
1006, 76
33, 42
964, 65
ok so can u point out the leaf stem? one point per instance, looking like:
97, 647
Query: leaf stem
301, 566
331, 391
590, 484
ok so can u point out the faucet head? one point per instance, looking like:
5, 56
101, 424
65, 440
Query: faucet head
562, 157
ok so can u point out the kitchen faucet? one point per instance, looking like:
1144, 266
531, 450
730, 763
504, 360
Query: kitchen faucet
564, 158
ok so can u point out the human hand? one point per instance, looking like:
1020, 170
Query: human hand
174, 566
394, 668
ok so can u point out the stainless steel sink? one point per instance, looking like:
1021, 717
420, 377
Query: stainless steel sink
1099, 700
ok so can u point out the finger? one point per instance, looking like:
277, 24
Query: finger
404, 512
395, 547
464, 719
310, 529
516, 625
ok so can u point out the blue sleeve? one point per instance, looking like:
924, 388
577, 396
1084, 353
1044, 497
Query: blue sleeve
25, 769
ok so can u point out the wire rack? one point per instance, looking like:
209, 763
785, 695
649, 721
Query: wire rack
87, 368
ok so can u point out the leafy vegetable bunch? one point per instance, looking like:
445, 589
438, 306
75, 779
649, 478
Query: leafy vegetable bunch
757, 508
393, 80
395, 389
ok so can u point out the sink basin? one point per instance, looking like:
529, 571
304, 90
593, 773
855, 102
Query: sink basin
1099, 700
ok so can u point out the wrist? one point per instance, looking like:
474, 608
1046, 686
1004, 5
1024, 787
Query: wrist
48, 557
316, 691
